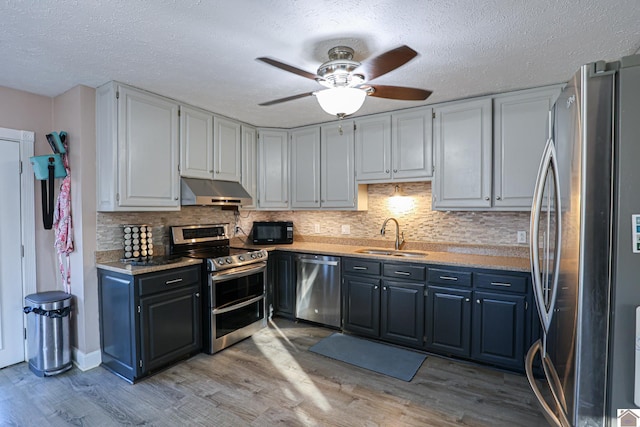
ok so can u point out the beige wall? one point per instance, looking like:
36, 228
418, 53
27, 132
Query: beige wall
74, 112
26, 111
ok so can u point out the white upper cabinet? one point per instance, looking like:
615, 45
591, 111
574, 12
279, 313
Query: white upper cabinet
395, 148
337, 178
412, 145
250, 164
196, 143
273, 169
227, 143
305, 167
519, 136
463, 155
373, 149
137, 150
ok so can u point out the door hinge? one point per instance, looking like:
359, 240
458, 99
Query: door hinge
426, 292
424, 338
141, 363
25, 333
526, 305
354, 126
20, 167
22, 251
117, 94
117, 197
138, 309
179, 112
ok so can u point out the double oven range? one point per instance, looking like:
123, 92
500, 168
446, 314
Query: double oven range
234, 303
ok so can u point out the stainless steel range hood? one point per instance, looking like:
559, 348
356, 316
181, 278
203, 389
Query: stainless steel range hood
207, 192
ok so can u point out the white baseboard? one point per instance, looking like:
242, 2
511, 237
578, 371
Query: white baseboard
86, 361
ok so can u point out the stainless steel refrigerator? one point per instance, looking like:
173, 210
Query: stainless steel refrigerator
585, 248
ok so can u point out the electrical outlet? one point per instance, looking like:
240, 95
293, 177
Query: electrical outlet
346, 229
522, 236
237, 229
316, 228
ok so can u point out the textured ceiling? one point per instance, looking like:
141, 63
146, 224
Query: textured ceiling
203, 52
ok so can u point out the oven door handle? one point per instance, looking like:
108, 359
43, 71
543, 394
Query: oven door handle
235, 306
239, 272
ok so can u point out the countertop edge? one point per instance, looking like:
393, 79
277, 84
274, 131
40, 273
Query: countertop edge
436, 258
133, 270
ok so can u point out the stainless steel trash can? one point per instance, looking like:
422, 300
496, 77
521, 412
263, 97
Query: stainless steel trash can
48, 346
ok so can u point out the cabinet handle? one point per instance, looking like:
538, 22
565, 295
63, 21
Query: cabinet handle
478, 301
498, 198
217, 172
486, 198
175, 198
197, 294
357, 267
171, 282
395, 170
375, 287
501, 284
448, 278
467, 300
384, 288
386, 171
403, 273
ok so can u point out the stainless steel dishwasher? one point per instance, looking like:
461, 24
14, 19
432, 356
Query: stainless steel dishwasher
318, 289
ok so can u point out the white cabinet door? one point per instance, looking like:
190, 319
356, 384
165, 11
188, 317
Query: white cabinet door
337, 174
196, 143
273, 169
373, 149
412, 145
250, 164
305, 167
227, 142
147, 151
519, 136
463, 155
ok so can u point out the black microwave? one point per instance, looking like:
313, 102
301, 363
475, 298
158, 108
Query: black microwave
270, 232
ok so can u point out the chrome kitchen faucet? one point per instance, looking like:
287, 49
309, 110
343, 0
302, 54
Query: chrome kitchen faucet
399, 236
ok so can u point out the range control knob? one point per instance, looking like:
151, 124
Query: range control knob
228, 260
253, 255
259, 254
240, 257
220, 261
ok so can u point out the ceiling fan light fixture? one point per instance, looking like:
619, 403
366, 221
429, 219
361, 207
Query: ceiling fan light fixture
341, 101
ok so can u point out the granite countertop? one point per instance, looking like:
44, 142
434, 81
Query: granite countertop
490, 259
123, 267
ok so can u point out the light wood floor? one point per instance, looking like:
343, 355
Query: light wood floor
271, 379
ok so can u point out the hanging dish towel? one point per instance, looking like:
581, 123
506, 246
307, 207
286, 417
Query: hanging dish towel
62, 223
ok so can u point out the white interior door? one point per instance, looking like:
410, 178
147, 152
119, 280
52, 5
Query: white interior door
11, 298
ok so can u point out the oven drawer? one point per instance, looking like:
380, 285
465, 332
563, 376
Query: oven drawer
168, 280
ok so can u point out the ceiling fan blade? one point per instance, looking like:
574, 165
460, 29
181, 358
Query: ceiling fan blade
289, 68
400, 92
288, 98
388, 61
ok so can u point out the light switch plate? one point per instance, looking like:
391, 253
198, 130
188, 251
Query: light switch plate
635, 233
346, 229
522, 236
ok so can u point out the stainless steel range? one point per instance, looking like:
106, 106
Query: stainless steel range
234, 306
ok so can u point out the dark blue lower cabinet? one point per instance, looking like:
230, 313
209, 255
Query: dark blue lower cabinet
448, 321
499, 331
402, 313
362, 305
284, 284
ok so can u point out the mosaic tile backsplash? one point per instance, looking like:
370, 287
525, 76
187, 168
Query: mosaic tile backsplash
418, 222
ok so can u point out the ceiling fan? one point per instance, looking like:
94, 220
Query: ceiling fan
347, 81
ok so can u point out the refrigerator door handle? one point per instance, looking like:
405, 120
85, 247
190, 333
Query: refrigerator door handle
545, 302
556, 418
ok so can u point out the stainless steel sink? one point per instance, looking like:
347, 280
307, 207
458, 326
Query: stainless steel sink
391, 252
